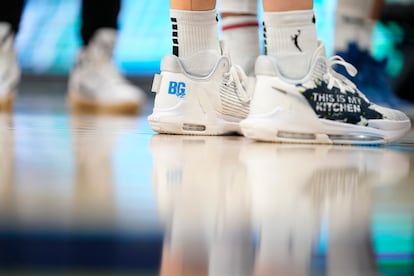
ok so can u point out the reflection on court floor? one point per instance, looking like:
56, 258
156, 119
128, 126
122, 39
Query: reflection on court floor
233, 207
84, 193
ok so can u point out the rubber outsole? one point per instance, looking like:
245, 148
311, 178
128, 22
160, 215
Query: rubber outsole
174, 126
268, 134
81, 106
6, 104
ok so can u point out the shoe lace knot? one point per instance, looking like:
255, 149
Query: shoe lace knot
335, 79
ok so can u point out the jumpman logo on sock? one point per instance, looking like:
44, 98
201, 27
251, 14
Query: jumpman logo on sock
295, 40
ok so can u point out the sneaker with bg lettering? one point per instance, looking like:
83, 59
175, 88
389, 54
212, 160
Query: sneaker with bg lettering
201, 95
323, 108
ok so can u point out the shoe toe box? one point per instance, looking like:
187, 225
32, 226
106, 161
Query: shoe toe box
391, 114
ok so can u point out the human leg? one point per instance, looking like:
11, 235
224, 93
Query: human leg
98, 14
95, 84
11, 12
240, 31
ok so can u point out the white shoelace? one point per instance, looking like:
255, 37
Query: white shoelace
334, 78
239, 77
241, 80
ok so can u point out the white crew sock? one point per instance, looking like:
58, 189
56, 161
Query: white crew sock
291, 37
194, 31
240, 33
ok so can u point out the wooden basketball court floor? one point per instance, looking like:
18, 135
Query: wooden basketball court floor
85, 194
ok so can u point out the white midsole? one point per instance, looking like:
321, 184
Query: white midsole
268, 127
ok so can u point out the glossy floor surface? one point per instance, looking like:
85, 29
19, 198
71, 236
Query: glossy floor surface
103, 195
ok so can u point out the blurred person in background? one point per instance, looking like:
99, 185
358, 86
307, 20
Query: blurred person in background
355, 24
95, 84
397, 16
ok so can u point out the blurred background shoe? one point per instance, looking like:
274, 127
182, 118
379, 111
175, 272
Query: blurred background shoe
95, 84
372, 78
9, 67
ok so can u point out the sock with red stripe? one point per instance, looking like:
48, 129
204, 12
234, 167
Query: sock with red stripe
240, 34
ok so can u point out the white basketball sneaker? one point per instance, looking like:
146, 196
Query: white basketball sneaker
9, 67
211, 101
96, 85
324, 107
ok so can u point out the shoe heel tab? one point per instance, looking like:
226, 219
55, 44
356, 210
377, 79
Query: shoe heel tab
156, 83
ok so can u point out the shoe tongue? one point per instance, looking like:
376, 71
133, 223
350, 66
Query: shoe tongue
103, 42
319, 62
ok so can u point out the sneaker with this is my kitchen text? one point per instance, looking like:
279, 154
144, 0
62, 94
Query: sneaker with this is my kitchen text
323, 108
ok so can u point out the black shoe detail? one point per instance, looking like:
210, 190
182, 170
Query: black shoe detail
279, 90
265, 38
174, 36
332, 104
295, 40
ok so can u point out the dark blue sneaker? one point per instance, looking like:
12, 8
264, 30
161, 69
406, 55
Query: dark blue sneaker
372, 76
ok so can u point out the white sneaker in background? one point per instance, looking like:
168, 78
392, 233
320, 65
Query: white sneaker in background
9, 67
324, 107
201, 95
96, 85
